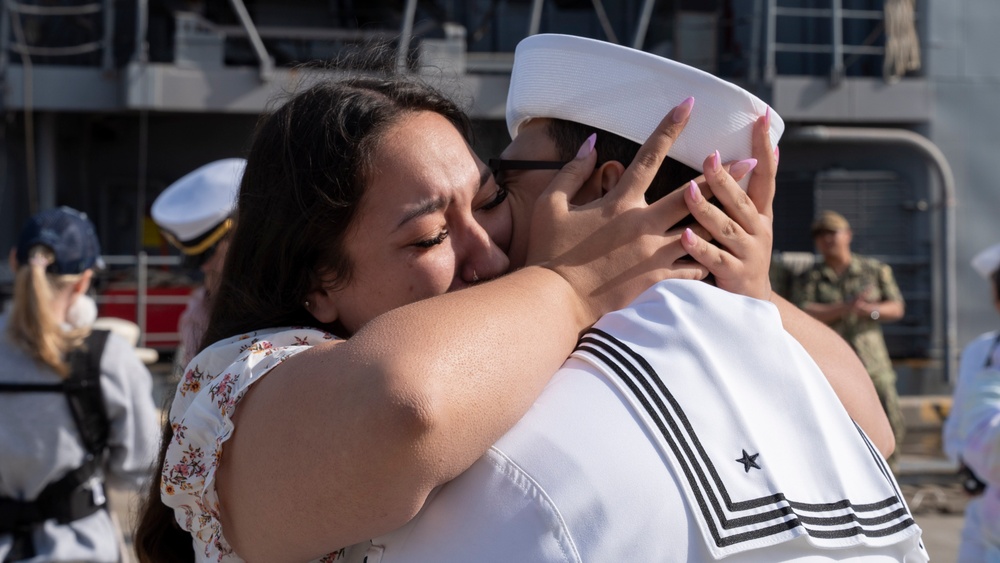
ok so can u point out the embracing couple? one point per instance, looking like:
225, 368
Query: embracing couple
416, 356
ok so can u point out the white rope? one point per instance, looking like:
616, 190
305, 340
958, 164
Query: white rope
902, 48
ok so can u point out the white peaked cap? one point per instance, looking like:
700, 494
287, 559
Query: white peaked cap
987, 261
199, 202
628, 92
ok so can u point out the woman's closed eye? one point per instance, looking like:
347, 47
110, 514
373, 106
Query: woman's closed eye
428, 243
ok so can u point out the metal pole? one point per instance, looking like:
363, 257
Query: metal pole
770, 71
108, 58
642, 27
4, 40
536, 17
837, 19
602, 17
936, 159
142, 286
406, 35
141, 24
266, 64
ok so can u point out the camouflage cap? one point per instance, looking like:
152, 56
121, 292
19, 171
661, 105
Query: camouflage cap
829, 221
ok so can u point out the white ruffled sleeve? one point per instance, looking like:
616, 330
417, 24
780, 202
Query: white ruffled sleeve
201, 417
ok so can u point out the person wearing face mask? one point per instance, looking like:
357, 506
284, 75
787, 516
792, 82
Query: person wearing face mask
76, 405
195, 216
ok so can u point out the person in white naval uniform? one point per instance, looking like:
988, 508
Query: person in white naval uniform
195, 216
689, 426
971, 433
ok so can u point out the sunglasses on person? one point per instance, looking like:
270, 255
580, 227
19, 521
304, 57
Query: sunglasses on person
500, 165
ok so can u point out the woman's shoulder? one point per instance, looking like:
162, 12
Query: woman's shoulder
201, 419
232, 364
261, 342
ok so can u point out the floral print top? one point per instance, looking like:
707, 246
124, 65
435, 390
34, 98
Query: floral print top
201, 417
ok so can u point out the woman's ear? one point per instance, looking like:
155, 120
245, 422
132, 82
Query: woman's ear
605, 177
321, 303
83, 284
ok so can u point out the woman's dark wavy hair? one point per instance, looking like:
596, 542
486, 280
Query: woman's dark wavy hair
308, 166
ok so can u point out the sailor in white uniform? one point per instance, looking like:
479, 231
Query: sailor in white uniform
687, 427
195, 215
974, 418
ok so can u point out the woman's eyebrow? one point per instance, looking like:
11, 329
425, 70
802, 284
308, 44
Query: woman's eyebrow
425, 207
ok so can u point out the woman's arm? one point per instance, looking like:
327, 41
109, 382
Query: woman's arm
745, 233
345, 441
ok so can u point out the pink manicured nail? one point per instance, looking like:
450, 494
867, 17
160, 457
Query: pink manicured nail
716, 161
682, 111
767, 118
694, 192
587, 147
689, 237
777, 154
742, 168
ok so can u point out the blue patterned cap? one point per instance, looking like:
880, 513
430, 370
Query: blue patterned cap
68, 234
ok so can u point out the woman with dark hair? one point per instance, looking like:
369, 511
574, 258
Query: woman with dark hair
361, 208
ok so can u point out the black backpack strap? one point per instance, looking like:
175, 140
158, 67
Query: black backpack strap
83, 392
68, 498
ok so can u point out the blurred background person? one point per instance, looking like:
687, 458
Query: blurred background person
195, 215
854, 294
971, 433
76, 404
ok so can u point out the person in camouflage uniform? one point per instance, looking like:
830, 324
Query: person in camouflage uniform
854, 295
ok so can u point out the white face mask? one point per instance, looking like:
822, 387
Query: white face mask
82, 313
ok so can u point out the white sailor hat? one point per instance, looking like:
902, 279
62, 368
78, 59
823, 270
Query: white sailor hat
628, 92
194, 213
988, 261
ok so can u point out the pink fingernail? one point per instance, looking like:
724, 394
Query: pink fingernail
767, 118
587, 147
742, 168
682, 111
689, 237
716, 161
777, 154
694, 191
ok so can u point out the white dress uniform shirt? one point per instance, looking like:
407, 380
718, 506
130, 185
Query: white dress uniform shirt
688, 427
972, 434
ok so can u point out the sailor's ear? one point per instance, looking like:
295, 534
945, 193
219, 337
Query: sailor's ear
605, 177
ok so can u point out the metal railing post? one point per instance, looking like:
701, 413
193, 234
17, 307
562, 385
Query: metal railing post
108, 56
406, 36
266, 64
837, 20
141, 23
642, 27
770, 71
142, 286
536, 17
4, 37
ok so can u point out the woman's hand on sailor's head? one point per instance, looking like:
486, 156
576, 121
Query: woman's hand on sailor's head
743, 225
613, 248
